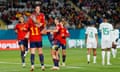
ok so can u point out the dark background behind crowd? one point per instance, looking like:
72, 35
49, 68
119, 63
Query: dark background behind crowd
75, 13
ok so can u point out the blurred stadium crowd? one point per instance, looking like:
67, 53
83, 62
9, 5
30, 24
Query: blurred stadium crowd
76, 13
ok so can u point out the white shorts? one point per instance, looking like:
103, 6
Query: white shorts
91, 44
106, 44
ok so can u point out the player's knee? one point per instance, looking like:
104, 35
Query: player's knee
64, 52
52, 52
32, 50
53, 56
40, 52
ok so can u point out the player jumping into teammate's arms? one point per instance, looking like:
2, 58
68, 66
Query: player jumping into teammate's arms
36, 26
21, 29
91, 41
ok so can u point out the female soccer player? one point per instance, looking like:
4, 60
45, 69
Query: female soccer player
36, 25
21, 30
63, 35
91, 41
55, 43
106, 44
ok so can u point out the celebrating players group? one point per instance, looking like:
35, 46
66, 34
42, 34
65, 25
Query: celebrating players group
33, 29
35, 26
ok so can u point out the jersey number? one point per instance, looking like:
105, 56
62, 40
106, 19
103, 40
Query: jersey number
91, 34
105, 31
34, 31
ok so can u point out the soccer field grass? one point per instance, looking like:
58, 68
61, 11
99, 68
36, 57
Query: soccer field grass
76, 62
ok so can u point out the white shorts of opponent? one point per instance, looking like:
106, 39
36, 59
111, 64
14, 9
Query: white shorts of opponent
91, 44
106, 43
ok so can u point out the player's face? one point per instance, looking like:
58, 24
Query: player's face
21, 19
56, 21
37, 9
61, 23
105, 20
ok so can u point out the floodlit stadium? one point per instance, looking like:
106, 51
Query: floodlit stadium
59, 35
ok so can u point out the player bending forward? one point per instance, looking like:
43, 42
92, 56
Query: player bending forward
91, 41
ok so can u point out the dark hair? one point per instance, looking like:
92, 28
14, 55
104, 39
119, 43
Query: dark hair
36, 5
58, 18
105, 18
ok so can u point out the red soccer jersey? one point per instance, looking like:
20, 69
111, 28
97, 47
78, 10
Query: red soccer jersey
21, 30
35, 32
63, 35
56, 34
40, 18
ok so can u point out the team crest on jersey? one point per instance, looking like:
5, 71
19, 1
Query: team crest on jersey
40, 17
62, 30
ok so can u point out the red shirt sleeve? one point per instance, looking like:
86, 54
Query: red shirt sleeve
67, 33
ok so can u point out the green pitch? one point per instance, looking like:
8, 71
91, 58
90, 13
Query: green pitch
76, 62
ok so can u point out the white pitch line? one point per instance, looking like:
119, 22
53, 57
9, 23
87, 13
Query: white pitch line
9, 63
75, 67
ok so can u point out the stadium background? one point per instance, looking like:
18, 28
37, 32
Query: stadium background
76, 13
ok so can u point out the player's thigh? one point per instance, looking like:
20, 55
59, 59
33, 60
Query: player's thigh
114, 45
53, 52
21, 45
40, 51
32, 47
109, 44
57, 55
26, 43
103, 44
64, 51
94, 45
106, 44
39, 47
63, 46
